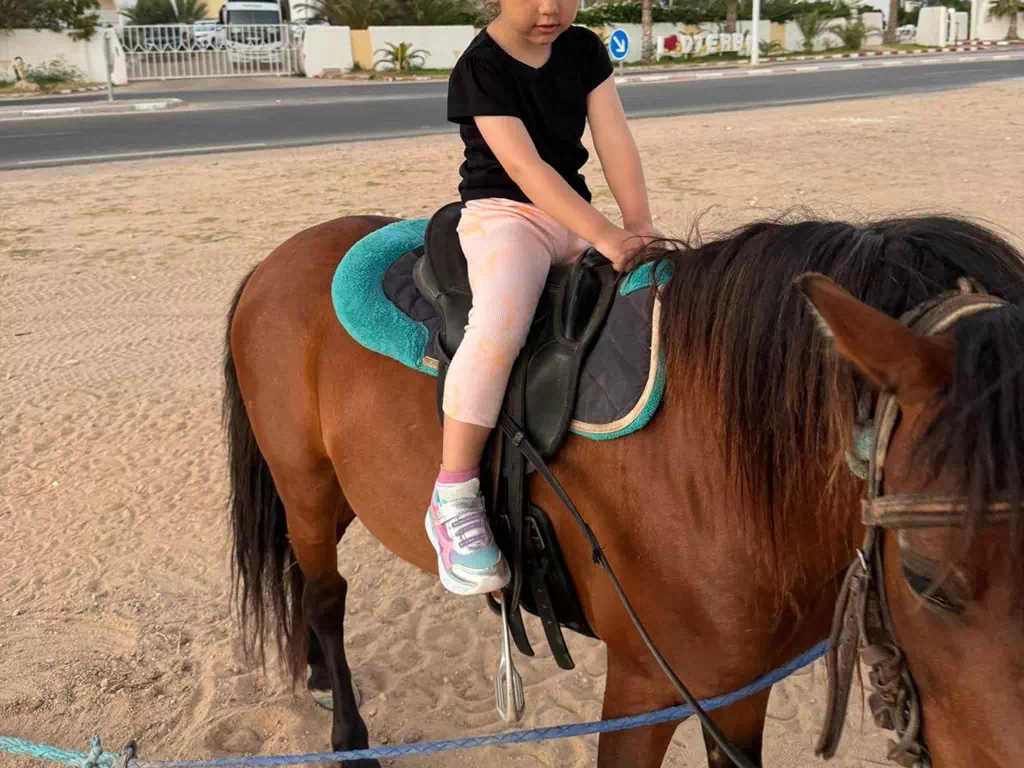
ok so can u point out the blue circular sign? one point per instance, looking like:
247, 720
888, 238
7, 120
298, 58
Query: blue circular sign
618, 44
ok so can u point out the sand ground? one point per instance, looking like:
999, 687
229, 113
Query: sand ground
114, 282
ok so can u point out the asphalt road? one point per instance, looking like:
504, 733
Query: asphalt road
258, 118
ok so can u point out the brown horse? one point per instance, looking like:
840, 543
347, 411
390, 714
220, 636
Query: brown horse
730, 519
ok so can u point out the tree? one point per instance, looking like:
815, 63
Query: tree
77, 17
402, 57
434, 12
811, 25
148, 12
167, 12
853, 34
191, 11
889, 38
1010, 8
732, 8
357, 14
647, 31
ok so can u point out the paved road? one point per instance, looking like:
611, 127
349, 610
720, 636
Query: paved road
242, 90
254, 118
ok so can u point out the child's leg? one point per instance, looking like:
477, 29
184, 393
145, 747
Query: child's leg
508, 255
509, 249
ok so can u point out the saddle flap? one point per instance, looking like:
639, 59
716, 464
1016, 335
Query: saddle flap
444, 250
583, 292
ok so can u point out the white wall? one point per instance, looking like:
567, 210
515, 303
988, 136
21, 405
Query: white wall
963, 29
765, 31
995, 29
42, 47
932, 26
326, 48
445, 44
795, 38
712, 31
873, 19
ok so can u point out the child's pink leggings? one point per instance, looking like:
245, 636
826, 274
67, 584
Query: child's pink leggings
509, 249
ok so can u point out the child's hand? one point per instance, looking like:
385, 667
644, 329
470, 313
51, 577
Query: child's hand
646, 230
618, 246
622, 244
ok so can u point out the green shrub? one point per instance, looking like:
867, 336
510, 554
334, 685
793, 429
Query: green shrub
629, 13
779, 11
853, 34
53, 73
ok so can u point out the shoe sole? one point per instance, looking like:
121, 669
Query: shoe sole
456, 585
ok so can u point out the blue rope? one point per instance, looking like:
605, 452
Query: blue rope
94, 758
433, 747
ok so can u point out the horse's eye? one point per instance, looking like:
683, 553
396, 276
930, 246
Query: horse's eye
937, 595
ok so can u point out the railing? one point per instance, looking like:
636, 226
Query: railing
178, 51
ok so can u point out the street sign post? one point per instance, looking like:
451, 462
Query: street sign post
755, 35
108, 53
618, 45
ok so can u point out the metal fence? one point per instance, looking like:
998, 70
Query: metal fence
178, 51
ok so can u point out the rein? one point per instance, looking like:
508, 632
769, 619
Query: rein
522, 443
862, 622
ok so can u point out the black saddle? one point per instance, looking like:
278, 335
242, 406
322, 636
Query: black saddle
540, 398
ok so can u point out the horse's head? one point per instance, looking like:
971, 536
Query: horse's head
943, 509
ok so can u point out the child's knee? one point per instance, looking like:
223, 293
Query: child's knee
505, 319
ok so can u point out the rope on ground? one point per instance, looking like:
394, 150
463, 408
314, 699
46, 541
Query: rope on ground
101, 760
94, 758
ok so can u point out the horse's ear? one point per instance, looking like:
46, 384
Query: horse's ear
887, 353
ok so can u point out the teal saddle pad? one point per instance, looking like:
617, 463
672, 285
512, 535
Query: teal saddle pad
623, 378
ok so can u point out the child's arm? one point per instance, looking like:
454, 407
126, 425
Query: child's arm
511, 144
619, 157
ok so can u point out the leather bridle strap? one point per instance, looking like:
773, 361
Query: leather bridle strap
862, 622
925, 510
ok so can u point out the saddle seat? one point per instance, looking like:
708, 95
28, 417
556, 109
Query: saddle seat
572, 309
540, 398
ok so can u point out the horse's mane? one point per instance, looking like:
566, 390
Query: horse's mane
979, 433
735, 329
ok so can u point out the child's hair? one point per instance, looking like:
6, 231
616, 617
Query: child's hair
488, 11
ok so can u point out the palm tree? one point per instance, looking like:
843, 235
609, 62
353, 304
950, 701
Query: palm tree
890, 38
1009, 8
811, 25
166, 12
647, 31
437, 12
148, 12
402, 57
190, 11
357, 14
853, 34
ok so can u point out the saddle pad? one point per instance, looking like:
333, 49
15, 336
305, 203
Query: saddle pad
379, 305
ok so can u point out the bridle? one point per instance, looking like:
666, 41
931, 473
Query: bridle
862, 622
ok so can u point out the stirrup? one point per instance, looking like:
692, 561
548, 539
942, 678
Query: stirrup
508, 684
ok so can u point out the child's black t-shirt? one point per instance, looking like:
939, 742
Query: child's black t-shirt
550, 100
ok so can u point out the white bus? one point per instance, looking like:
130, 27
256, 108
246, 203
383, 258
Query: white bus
252, 12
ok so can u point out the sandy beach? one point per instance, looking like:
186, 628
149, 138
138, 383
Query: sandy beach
114, 284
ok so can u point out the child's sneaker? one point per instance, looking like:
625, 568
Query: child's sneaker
468, 560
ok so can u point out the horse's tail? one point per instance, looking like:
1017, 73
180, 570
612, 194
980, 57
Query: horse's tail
264, 583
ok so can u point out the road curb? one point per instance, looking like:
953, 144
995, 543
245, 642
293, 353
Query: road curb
110, 108
780, 67
742, 70
985, 47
